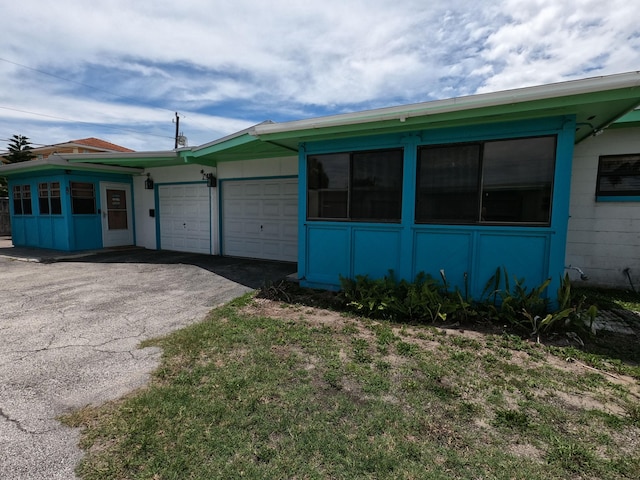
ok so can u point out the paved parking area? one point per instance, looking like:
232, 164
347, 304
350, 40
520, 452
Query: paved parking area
69, 336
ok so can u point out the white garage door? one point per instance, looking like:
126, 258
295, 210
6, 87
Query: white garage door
185, 218
260, 219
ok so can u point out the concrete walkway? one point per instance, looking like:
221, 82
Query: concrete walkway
69, 333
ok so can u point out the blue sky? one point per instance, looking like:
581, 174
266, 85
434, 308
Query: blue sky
118, 70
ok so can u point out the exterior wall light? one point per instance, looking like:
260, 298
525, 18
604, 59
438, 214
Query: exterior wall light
211, 179
148, 183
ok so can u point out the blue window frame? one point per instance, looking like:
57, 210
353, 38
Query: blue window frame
22, 200
49, 198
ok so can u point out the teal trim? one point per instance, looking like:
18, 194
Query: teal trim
496, 131
303, 254
469, 254
617, 198
68, 231
560, 206
240, 179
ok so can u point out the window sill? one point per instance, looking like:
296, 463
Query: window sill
618, 198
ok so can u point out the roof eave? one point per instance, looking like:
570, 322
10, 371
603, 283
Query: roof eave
458, 104
57, 162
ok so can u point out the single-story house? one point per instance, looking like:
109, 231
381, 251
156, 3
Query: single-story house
464, 185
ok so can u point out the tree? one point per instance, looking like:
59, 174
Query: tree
19, 149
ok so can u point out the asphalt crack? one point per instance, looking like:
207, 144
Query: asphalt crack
14, 422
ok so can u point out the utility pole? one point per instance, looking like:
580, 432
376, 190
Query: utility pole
177, 122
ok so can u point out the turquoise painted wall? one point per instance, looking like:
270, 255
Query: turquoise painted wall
330, 249
66, 232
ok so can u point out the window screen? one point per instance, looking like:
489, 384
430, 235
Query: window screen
83, 198
359, 186
501, 181
618, 175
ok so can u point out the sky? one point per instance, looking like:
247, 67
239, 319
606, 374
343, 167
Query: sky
120, 69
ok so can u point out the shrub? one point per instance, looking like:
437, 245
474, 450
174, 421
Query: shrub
503, 301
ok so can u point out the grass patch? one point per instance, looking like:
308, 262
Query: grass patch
260, 390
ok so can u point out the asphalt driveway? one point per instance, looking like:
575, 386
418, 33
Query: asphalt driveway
69, 336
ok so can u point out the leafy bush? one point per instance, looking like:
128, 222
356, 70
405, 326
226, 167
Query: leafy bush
504, 301
423, 299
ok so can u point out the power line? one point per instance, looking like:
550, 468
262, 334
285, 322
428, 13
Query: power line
103, 125
80, 83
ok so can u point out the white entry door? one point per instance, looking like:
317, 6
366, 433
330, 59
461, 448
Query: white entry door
260, 218
117, 222
185, 218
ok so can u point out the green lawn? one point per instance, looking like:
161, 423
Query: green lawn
269, 390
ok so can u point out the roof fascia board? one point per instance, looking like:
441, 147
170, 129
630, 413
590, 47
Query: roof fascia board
227, 138
630, 119
538, 94
220, 146
100, 157
56, 162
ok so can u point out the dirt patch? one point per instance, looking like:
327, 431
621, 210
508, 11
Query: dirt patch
322, 317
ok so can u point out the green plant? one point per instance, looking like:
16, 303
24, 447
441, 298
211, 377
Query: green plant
503, 301
398, 300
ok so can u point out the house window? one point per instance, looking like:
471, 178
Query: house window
359, 186
49, 198
618, 175
22, 200
501, 181
83, 198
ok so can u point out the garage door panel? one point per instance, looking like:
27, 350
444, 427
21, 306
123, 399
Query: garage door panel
260, 218
290, 211
290, 189
272, 209
290, 231
251, 208
185, 218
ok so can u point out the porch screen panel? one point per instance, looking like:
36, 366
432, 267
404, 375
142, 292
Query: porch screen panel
447, 184
364, 186
83, 198
376, 192
517, 180
328, 186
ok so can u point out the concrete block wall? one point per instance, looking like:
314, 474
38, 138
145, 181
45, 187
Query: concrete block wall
603, 237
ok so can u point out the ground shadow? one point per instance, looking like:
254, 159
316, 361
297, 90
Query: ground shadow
251, 273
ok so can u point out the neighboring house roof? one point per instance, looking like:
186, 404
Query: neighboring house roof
100, 144
83, 145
